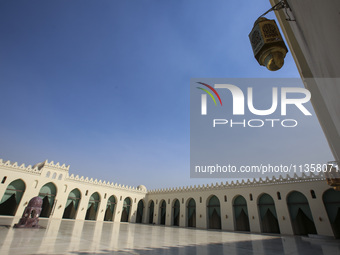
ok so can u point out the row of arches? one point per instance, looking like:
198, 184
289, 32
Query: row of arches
93, 206
299, 211
15, 190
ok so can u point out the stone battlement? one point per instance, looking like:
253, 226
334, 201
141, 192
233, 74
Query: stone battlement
241, 184
37, 170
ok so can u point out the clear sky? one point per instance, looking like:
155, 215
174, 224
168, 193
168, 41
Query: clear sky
92, 84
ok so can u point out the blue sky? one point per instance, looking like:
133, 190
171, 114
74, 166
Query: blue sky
104, 85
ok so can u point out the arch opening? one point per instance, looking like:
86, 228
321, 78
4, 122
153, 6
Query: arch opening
48, 193
12, 197
151, 212
176, 213
241, 214
92, 207
331, 200
126, 210
214, 213
110, 208
191, 217
140, 210
162, 213
268, 216
300, 214
72, 204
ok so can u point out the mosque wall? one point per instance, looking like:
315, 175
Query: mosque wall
44, 173
289, 205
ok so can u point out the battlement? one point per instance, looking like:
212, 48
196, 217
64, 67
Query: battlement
51, 164
8, 164
37, 170
249, 183
103, 183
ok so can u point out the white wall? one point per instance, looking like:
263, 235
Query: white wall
314, 39
35, 178
270, 187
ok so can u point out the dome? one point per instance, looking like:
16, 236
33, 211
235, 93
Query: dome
35, 202
142, 188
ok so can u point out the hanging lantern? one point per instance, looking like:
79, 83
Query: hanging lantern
267, 43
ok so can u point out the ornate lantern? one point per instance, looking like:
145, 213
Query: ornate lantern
267, 43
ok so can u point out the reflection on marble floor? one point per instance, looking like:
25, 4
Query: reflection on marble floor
79, 237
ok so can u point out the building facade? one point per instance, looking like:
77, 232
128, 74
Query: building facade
289, 205
310, 28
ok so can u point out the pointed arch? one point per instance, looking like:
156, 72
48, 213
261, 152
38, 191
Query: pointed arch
331, 200
268, 216
140, 211
241, 218
162, 212
191, 213
300, 214
48, 193
176, 212
151, 211
12, 197
72, 204
110, 208
93, 207
214, 213
126, 210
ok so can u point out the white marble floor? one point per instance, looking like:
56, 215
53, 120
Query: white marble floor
81, 237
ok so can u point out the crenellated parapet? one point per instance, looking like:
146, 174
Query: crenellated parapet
36, 169
53, 166
39, 168
42, 168
246, 183
21, 168
86, 180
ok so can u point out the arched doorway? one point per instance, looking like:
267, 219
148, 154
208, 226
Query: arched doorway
214, 213
126, 210
12, 197
92, 207
72, 204
191, 213
48, 193
151, 211
162, 214
241, 214
176, 212
300, 214
268, 216
110, 209
140, 209
331, 200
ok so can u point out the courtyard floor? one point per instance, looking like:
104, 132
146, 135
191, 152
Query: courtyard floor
80, 237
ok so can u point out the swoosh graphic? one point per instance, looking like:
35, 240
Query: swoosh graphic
218, 96
209, 94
